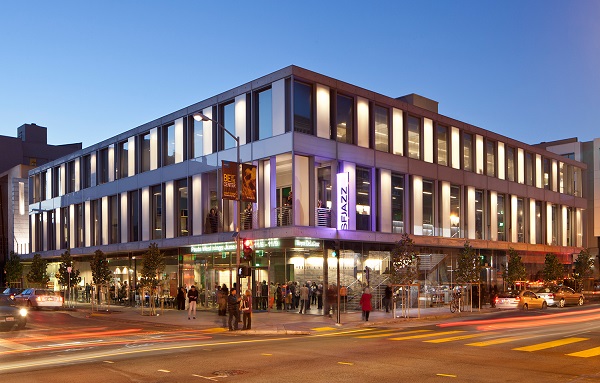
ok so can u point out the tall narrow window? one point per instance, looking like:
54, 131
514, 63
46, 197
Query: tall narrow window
113, 202
490, 156
156, 212
455, 202
228, 121
56, 182
501, 218
344, 123
134, 218
442, 145
145, 152
547, 173
70, 176
397, 203
479, 215
539, 229
468, 152
382, 129
265, 114
96, 220
103, 166
197, 140
86, 172
363, 199
123, 158
520, 220
555, 239
79, 241
413, 129
168, 144
529, 169
182, 211
64, 212
561, 177
303, 114
428, 216
510, 163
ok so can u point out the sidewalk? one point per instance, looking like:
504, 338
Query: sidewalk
275, 322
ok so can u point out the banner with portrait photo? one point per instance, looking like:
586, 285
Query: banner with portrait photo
248, 183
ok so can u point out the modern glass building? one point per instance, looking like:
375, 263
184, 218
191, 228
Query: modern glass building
361, 168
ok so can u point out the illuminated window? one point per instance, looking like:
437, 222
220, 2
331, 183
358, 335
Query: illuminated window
344, 123
428, 216
382, 129
468, 152
397, 203
442, 145
363, 199
413, 129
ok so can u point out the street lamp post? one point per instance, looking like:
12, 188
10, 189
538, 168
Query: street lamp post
201, 117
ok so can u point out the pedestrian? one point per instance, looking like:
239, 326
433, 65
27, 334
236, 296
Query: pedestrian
222, 300
181, 298
88, 291
192, 298
264, 292
304, 298
279, 297
247, 310
387, 298
233, 306
365, 303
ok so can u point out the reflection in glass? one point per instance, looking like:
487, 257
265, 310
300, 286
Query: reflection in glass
501, 218
363, 199
442, 145
455, 202
265, 114
428, 228
414, 137
397, 203
382, 129
345, 119
303, 108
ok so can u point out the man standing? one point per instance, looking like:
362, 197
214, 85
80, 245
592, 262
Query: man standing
192, 298
303, 298
233, 306
387, 298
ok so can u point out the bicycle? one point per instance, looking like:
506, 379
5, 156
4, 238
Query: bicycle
457, 303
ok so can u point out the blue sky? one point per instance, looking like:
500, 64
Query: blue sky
88, 71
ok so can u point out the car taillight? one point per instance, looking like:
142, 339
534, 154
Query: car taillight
60, 299
517, 299
496, 300
39, 299
550, 295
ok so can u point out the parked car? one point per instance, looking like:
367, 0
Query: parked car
507, 300
560, 296
11, 315
11, 292
530, 300
38, 298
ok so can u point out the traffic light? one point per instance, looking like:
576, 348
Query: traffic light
247, 251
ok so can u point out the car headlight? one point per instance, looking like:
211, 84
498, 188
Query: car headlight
23, 312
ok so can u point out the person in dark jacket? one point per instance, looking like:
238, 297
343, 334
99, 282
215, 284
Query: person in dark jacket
192, 298
181, 298
233, 307
387, 298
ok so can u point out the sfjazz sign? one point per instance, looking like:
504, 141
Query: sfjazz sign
343, 192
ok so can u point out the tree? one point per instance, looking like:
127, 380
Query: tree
583, 267
101, 274
63, 274
37, 274
553, 269
13, 269
515, 269
153, 265
468, 265
404, 261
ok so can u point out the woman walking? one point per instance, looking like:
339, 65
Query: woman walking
365, 303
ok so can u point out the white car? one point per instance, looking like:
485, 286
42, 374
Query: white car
37, 298
507, 300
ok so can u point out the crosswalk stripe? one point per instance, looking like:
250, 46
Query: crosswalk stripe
453, 338
323, 328
586, 353
492, 342
554, 343
426, 335
390, 333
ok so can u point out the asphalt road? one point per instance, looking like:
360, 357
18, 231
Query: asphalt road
537, 346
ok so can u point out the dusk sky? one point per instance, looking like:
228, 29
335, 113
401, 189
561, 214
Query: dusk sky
87, 71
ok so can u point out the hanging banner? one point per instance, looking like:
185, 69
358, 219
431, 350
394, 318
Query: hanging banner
248, 183
230, 175
343, 195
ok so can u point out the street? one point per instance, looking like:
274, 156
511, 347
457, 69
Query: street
540, 346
